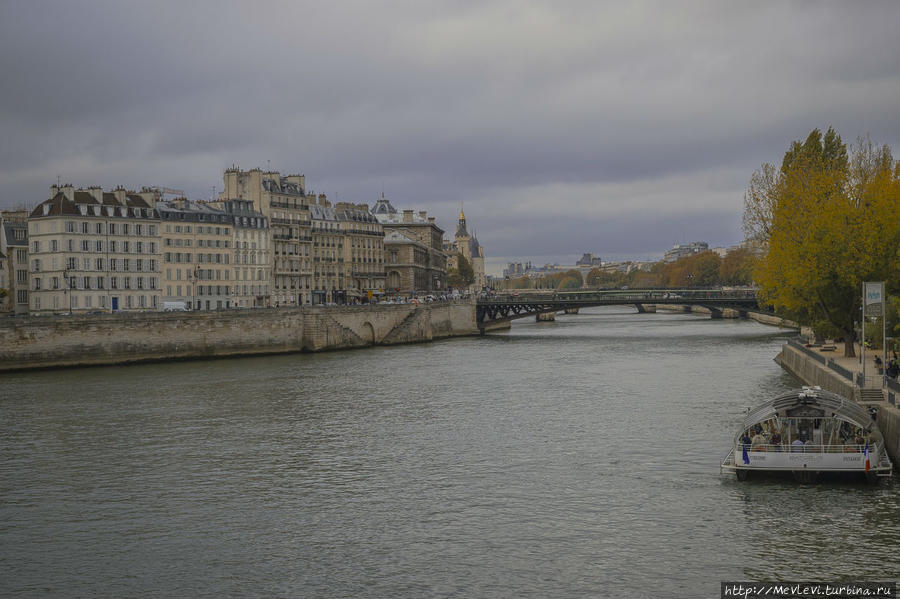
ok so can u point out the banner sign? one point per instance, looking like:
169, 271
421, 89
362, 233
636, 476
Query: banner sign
873, 297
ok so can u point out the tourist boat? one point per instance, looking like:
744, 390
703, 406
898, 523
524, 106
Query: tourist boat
807, 432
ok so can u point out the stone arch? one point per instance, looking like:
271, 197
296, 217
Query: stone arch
368, 333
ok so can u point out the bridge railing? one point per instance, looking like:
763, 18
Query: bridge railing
636, 295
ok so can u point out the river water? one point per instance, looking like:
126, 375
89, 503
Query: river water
571, 459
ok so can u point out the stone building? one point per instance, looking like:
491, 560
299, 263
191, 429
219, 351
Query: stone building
415, 262
5, 300
283, 200
197, 243
14, 246
94, 250
348, 253
252, 260
467, 245
363, 250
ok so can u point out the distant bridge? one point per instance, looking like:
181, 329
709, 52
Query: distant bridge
504, 307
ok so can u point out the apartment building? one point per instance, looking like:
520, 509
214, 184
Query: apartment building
14, 246
284, 201
363, 250
197, 245
91, 250
251, 257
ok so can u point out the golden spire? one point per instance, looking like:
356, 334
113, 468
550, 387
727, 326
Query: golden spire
462, 215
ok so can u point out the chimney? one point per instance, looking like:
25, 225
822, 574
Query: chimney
69, 191
120, 192
54, 189
323, 201
407, 216
97, 192
423, 214
431, 219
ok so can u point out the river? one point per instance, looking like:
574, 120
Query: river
571, 459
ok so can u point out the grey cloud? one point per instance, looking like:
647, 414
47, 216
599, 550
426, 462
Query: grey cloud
493, 103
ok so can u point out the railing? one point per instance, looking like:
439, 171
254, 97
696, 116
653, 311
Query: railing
809, 448
799, 346
841, 370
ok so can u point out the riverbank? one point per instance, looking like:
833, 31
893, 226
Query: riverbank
126, 338
812, 366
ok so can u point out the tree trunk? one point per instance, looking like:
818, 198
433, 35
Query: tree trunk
849, 350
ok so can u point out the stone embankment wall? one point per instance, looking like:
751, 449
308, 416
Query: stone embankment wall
82, 340
727, 313
812, 372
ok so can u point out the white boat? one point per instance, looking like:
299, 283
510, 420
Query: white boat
809, 431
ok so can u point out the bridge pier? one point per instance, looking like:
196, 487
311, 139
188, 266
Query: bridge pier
646, 308
545, 317
715, 313
571, 310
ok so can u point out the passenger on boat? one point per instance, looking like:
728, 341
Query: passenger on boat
758, 443
776, 440
797, 445
746, 440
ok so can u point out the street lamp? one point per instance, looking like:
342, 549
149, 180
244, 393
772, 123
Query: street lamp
69, 279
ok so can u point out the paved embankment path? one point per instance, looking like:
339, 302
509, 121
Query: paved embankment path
812, 372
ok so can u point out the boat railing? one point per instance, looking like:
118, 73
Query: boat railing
809, 448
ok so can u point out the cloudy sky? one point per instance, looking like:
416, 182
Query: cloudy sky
618, 128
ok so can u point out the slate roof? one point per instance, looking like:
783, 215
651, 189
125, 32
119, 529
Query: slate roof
60, 205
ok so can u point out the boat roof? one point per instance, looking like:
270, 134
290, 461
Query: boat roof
833, 404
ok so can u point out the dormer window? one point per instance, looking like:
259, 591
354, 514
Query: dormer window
82, 208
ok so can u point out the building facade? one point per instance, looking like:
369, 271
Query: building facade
466, 244
92, 250
363, 251
251, 258
283, 200
14, 246
197, 245
416, 268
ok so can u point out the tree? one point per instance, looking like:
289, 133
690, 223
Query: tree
461, 276
737, 267
832, 226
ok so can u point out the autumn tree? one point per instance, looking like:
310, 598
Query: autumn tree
463, 275
737, 267
829, 221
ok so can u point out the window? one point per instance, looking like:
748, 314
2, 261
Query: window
36, 266
71, 263
113, 245
98, 229
98, 246
22, 296
37, 284
36, 247
85, 245
126, 245
112, 231
54, 245
85, 227
70, 226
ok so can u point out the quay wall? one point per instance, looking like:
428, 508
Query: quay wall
84, 340
729, 313
812, 372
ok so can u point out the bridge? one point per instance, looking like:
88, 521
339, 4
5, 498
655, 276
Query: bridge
504, 307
